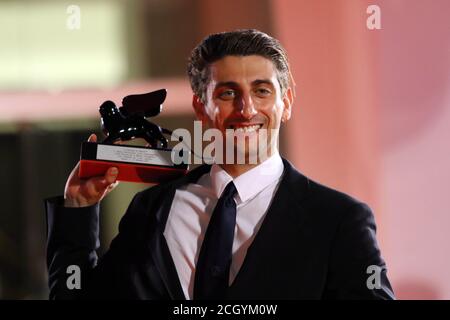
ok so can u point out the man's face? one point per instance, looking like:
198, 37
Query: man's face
244, 95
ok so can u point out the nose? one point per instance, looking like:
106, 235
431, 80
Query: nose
247, 107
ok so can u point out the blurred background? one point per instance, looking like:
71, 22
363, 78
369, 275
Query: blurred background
371, 116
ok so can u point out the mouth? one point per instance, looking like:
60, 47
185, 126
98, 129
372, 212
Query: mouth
245, 128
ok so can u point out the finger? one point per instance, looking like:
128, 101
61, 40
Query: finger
112, 186
96, 186
92, 138
111, 175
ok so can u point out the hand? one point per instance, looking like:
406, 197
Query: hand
86, 192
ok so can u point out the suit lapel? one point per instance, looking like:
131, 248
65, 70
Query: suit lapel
157, 245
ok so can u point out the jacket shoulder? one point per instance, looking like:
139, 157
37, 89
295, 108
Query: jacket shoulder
319, 199
331, 197
313, 191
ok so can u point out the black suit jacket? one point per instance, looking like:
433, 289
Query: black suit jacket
314, 243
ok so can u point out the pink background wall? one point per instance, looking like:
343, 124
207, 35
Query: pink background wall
372, 118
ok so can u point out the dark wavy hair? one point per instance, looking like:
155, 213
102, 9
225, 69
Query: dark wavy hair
242, 42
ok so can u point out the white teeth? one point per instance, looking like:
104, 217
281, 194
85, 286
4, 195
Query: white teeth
247, 129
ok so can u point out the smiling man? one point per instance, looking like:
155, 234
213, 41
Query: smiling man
229, 230
246, 101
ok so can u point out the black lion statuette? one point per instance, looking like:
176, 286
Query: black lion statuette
128, 122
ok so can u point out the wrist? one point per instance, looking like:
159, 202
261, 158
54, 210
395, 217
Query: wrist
71, 203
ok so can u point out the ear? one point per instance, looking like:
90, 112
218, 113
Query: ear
199, 108
288, 100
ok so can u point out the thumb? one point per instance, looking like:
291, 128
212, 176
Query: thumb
111, 175
92, 138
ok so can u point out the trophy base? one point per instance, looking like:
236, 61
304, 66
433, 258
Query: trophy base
135, 164
130, 172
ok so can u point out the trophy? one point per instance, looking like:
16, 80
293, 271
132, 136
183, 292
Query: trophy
152, 163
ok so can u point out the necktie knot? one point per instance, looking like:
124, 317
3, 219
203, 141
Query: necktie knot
229, 191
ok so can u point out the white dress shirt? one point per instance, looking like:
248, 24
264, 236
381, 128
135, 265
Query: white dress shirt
194, 203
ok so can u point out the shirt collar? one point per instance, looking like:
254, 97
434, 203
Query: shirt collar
250, 183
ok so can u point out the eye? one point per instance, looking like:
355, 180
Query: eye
227, 94
263, 92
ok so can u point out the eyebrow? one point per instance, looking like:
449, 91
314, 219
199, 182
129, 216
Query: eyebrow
235, 84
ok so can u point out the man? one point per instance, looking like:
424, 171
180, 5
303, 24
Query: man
227, 231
